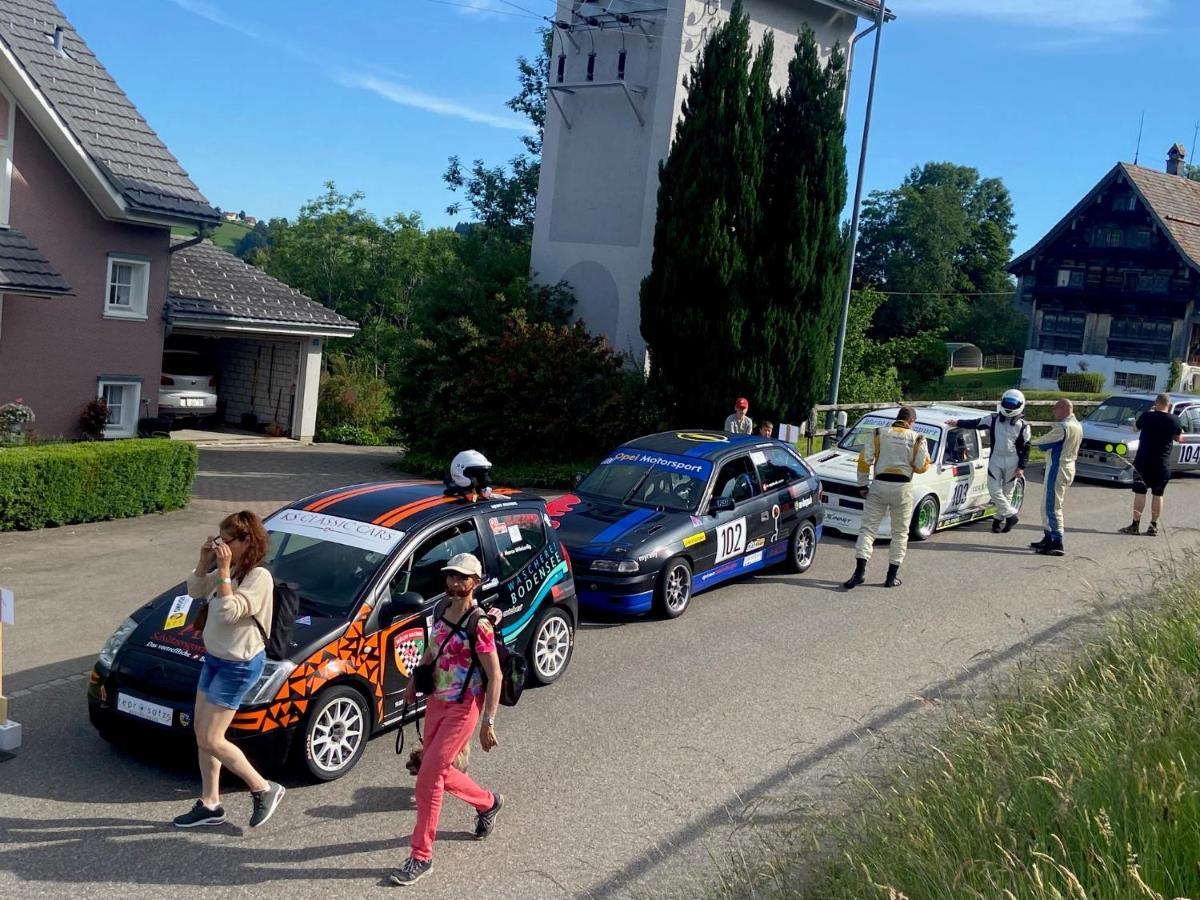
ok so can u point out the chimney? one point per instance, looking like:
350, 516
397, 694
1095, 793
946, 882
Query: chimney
1175, 157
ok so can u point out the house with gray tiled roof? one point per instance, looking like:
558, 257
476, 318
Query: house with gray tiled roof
1114, 286
88, 197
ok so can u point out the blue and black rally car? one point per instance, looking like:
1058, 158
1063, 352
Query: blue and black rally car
672, 514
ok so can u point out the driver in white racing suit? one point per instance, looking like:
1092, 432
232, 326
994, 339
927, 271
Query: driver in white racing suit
1009, 437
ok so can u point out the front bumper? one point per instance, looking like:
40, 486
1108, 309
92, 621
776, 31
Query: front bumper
1095, 467
632, 594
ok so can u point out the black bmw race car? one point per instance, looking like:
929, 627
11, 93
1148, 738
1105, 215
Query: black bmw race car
672, 514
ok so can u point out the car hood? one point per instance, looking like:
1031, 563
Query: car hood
835, 464
1110, 433
593, 527
165, 629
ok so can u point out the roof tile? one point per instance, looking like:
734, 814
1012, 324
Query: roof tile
23, 268
1176, 202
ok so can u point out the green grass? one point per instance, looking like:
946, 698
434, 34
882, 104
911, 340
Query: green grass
989, 384
226, 235
1084, 785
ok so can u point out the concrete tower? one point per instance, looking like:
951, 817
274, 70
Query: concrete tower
616, 87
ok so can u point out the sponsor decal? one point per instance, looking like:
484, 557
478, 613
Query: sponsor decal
804, 502
176, 645
560, 506
695, 520
837, 518
719, 571
304, 620
504, 505
653, 554
776, 512
932, 431
758, 457
702, 438
697, 467
177, 614
335, 529
693, 539
731, 539
756, 544
511, 611
185, 719
752, 559
407, 648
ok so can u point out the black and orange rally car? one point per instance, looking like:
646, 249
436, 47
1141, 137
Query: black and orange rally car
366, 561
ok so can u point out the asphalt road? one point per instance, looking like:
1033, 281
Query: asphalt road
625, 779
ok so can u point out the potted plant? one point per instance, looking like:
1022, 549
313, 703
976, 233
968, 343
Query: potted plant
14, 417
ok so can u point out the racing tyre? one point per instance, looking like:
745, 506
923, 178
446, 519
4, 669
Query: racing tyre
802, 548
924, 518
335, 733
551, 647
673, 591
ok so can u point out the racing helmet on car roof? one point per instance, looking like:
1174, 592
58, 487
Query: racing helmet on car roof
1012, 404
469, 471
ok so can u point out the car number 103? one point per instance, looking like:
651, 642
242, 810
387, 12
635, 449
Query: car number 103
731, 539
960, 493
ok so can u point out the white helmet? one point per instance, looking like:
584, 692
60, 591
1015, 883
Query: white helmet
470, 469
1011, 404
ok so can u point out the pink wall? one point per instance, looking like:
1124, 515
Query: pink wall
52, 349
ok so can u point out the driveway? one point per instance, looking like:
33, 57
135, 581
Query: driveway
631, 776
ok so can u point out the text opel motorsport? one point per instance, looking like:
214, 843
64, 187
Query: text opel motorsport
367, 562
671, 514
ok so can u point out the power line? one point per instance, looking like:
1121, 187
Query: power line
526, 14
522, 9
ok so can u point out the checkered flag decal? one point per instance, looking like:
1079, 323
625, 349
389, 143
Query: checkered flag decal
409, 646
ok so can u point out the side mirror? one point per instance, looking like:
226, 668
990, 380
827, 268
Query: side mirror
407, 604
720, 505
578, 479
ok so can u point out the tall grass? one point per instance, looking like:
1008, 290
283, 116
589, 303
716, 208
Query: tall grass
1085, 787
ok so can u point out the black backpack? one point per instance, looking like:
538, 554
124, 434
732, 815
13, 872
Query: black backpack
286, 605
513, 667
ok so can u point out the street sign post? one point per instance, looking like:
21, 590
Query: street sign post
10, 732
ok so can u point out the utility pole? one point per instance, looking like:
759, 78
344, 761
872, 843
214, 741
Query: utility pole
840, 346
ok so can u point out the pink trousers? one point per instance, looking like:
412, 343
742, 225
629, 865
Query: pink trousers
448, 728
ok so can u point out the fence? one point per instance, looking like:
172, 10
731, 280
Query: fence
811, 429
1002, 361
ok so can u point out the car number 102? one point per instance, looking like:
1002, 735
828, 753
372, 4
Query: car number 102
731, 539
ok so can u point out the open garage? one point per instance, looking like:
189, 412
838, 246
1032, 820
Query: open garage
243, 350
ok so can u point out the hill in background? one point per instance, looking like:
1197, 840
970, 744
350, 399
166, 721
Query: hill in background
226, 235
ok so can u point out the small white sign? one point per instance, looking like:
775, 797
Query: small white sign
514, 534
753, 559
178, 612
144, 709
731, 539
6, 606
758, 457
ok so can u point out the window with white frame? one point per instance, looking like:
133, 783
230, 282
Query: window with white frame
8, 110
127, 287
122, 396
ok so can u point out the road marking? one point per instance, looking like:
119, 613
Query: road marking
46, 685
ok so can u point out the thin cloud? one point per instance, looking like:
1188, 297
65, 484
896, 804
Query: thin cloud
361, 79
1095, 16
407, 96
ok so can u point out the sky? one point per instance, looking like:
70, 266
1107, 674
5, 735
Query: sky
264, 102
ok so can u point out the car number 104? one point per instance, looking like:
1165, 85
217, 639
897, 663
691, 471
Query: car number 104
731, 539
1189, 454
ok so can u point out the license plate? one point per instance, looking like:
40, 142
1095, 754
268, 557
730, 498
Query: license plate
144, 709
832, 518
193, 401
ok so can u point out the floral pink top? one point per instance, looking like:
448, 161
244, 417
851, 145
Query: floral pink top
450, 670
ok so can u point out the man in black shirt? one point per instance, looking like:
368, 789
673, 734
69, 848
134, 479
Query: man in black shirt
1152, 462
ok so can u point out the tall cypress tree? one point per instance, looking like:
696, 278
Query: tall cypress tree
696, 301
803, 249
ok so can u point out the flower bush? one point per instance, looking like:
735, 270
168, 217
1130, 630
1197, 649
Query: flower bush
14, 417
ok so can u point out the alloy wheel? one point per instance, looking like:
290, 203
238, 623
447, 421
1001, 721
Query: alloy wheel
337, 734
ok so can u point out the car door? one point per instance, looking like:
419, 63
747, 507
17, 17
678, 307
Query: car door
783, 478
420, 571
962, 462
1186, 455
735, 529
516, 542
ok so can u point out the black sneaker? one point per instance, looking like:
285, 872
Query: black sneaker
1152, 530
486, 821
1009, 524
1054, 548
265, 803
411, 872
1040, 545
201, 815
1133, 528
996, 526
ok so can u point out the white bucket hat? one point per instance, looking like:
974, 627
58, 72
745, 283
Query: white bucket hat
464, 564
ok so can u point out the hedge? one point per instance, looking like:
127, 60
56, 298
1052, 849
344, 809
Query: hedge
522, 474
1087, 382
63, 484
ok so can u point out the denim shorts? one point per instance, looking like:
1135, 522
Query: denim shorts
226, 682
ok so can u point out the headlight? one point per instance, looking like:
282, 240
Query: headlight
273, 675
108, 653
623, 567
1122, 449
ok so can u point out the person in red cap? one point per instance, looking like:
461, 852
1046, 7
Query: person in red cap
739, 422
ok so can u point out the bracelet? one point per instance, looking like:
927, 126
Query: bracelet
224, 581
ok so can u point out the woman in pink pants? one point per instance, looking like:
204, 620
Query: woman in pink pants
465, 685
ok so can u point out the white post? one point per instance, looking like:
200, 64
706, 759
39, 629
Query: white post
10, 732
308, 386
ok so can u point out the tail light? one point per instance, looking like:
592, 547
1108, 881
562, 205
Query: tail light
166, 381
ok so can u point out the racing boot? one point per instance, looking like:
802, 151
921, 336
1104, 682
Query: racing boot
859, 576
1041, 545
1133, 527
996, 526
1053, 548
1009, 524
893, 576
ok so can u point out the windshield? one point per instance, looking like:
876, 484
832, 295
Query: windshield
861, 432
329, 560
646, 478
1118, 412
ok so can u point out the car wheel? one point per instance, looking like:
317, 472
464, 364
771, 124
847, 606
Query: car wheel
802, 549
673, 591
551, 647
1018, 494
335, 733
925, 518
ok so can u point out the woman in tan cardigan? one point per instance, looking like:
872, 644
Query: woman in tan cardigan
241, 593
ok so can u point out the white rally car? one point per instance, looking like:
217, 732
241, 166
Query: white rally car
953, 490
